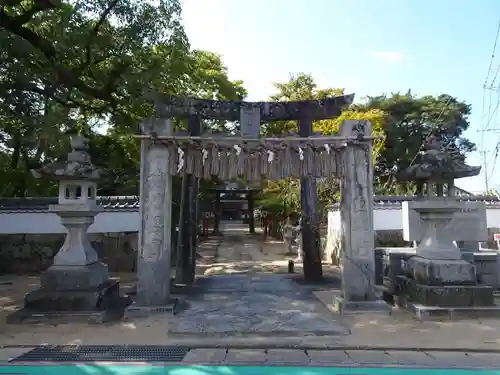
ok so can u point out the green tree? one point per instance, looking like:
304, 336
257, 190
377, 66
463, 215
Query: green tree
303, 87
87, 66
410, 121
285, 194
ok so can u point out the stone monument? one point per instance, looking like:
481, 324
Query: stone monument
438, 281
76, 281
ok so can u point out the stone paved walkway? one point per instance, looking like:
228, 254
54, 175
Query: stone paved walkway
253, 304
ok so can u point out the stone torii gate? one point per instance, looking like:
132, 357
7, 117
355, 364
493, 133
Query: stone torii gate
348, 156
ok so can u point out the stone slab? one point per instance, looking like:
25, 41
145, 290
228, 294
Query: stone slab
135, 310
74, 277
455, 359
341, 305
469, 224
376, 357
329, 357
430, 313
47, 300
442, 272
27, 316
205, 356
483, 359
286, 357
9, 354
246, 356
412, 358
443, 295
454, 296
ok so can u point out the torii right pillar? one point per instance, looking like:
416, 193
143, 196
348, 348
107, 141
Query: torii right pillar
358, 237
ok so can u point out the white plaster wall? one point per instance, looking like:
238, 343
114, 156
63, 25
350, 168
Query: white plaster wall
392, 219
13, 222
45, 222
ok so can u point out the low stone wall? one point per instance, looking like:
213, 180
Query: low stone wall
390, 238
394, 238
32, 253
383, 239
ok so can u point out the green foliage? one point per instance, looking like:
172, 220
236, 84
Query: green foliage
87, 66
281, 197
410, 121
69, 65
404, 121
303, 87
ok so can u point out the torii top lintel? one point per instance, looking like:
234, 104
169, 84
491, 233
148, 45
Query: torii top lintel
182, 107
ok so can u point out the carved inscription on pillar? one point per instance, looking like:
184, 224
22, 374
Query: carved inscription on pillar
356, 207
153, 265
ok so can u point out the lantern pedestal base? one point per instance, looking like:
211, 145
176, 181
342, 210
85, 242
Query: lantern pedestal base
83, 287
76, 292
99, 297
60, 278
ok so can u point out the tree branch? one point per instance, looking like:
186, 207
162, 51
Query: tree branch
15, 27
65, 75
95, 31
39, 6
39, 91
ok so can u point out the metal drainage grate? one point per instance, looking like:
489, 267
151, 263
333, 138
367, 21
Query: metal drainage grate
77, 353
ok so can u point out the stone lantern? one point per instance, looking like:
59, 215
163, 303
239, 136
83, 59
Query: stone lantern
77, 280
438, 281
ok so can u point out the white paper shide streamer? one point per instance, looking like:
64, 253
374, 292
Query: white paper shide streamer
180, 163
301, 153
254, 160
238, 149
204, 156
270, 156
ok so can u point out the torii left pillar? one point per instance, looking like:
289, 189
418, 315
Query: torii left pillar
155, 230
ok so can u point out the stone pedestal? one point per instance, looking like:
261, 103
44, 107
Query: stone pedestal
77, 280
439, 280
445, 283
442, 272
63, 277
436, 215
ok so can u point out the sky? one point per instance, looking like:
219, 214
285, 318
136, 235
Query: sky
367, 47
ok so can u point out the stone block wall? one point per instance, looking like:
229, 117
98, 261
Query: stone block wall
390, 238
383, 239
32, 253
394, 238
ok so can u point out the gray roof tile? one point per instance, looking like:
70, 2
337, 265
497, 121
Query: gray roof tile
131, 203
126, 203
